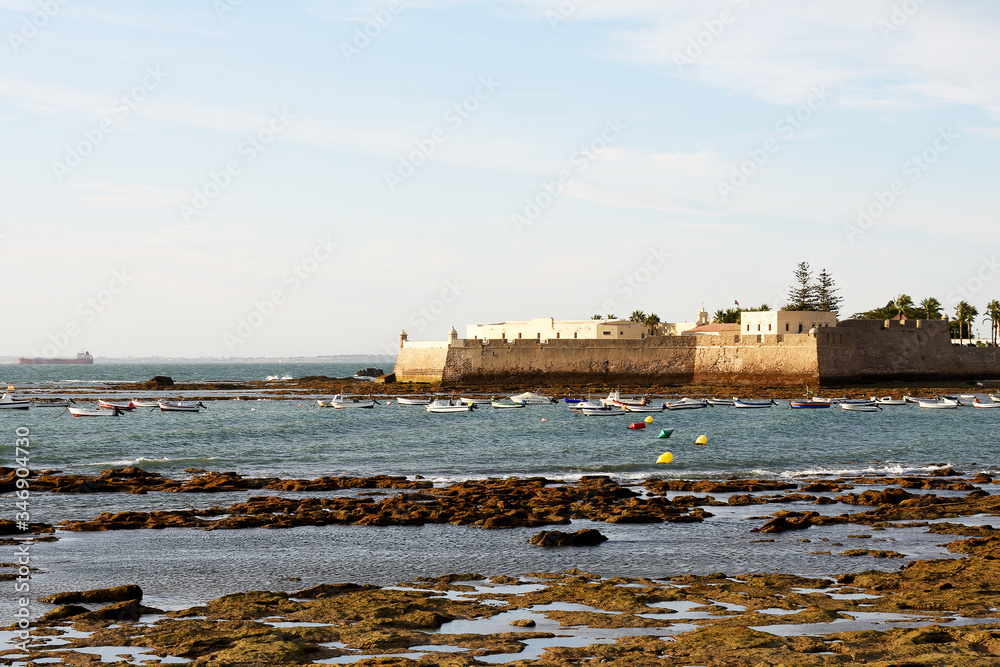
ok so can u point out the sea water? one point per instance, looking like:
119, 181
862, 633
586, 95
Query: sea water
297, 439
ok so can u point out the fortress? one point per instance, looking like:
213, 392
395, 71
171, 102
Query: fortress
774, 348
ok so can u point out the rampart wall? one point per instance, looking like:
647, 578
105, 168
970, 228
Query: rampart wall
853, 351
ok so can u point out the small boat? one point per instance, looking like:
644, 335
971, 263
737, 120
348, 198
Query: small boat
603, 411
532, 398
178, 406
650, 407
95, 412
58, 403
8, 402
615, 399
412, 401
860, 406
720, 401
832, 401
477, 401
979, 404
918, 399
889, 400
507, 403
572, 400
341, 402
687, 404
635, 426
749, 403
807, 404
148, 403
943, 404
585, 405
111, 405
448, 406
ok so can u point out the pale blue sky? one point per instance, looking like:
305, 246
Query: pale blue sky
488, 105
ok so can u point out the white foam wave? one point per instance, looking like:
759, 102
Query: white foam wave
143, 459
887, 469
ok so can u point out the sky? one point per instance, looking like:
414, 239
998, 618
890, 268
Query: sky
246, 178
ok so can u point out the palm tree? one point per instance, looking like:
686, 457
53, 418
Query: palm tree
652, 321
596, 317
993, 312
931, 308
637, 316
903, 303
612, 317
964, 313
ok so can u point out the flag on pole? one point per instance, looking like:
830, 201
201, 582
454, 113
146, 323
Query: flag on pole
737, 303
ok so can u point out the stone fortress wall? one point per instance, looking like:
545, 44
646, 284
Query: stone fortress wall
852, 351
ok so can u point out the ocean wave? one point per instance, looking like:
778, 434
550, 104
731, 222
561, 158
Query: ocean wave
143, 460
888, 469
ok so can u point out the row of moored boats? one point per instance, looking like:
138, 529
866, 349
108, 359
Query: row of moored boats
102, 409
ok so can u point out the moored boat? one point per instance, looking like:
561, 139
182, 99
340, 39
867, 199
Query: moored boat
147, 403
720, 401
943, 404
687, 404
95, 412
603, 411
860, 406
111, 405
507, 403
476, 401
532, 398
412, 401
650, 407
808, 404
8, 402
179, 406
448, 406
889, 400
341, 402
752, 403
980, 404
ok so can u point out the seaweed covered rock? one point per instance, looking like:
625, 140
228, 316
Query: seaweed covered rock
586, 537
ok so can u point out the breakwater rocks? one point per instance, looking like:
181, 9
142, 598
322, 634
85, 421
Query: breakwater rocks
516, 503
939, 612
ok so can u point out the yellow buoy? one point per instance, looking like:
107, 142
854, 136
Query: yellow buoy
665, 457
649, 419
702, 440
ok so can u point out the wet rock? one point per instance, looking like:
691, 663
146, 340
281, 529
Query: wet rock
159, 382
523, 623
586, 537
874, 553
59, 613
114, 594
324, 591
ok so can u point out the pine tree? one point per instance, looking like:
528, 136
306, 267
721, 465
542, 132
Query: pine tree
826, 294
802, 295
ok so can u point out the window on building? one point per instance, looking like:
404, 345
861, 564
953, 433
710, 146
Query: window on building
574, 334
800, 327
518, 335
557, 334
786, 326
748, 327
768, 327
607, 333
538, 336
758, 327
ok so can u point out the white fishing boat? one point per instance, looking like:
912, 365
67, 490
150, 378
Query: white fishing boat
615, 399
752, 403
8, 402
943, 404
145, 403
649, 407
448, 406
981, 404
95, 412
111, 405
603, 411
179, 406
412, 401
342, 402
57, 403
889, 400
476, 401
860, 406
831, 401
720, 401
918, 399
585, 405
507, 403
687, 404
532, 398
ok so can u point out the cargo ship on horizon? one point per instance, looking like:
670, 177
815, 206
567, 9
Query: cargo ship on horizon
81, 358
